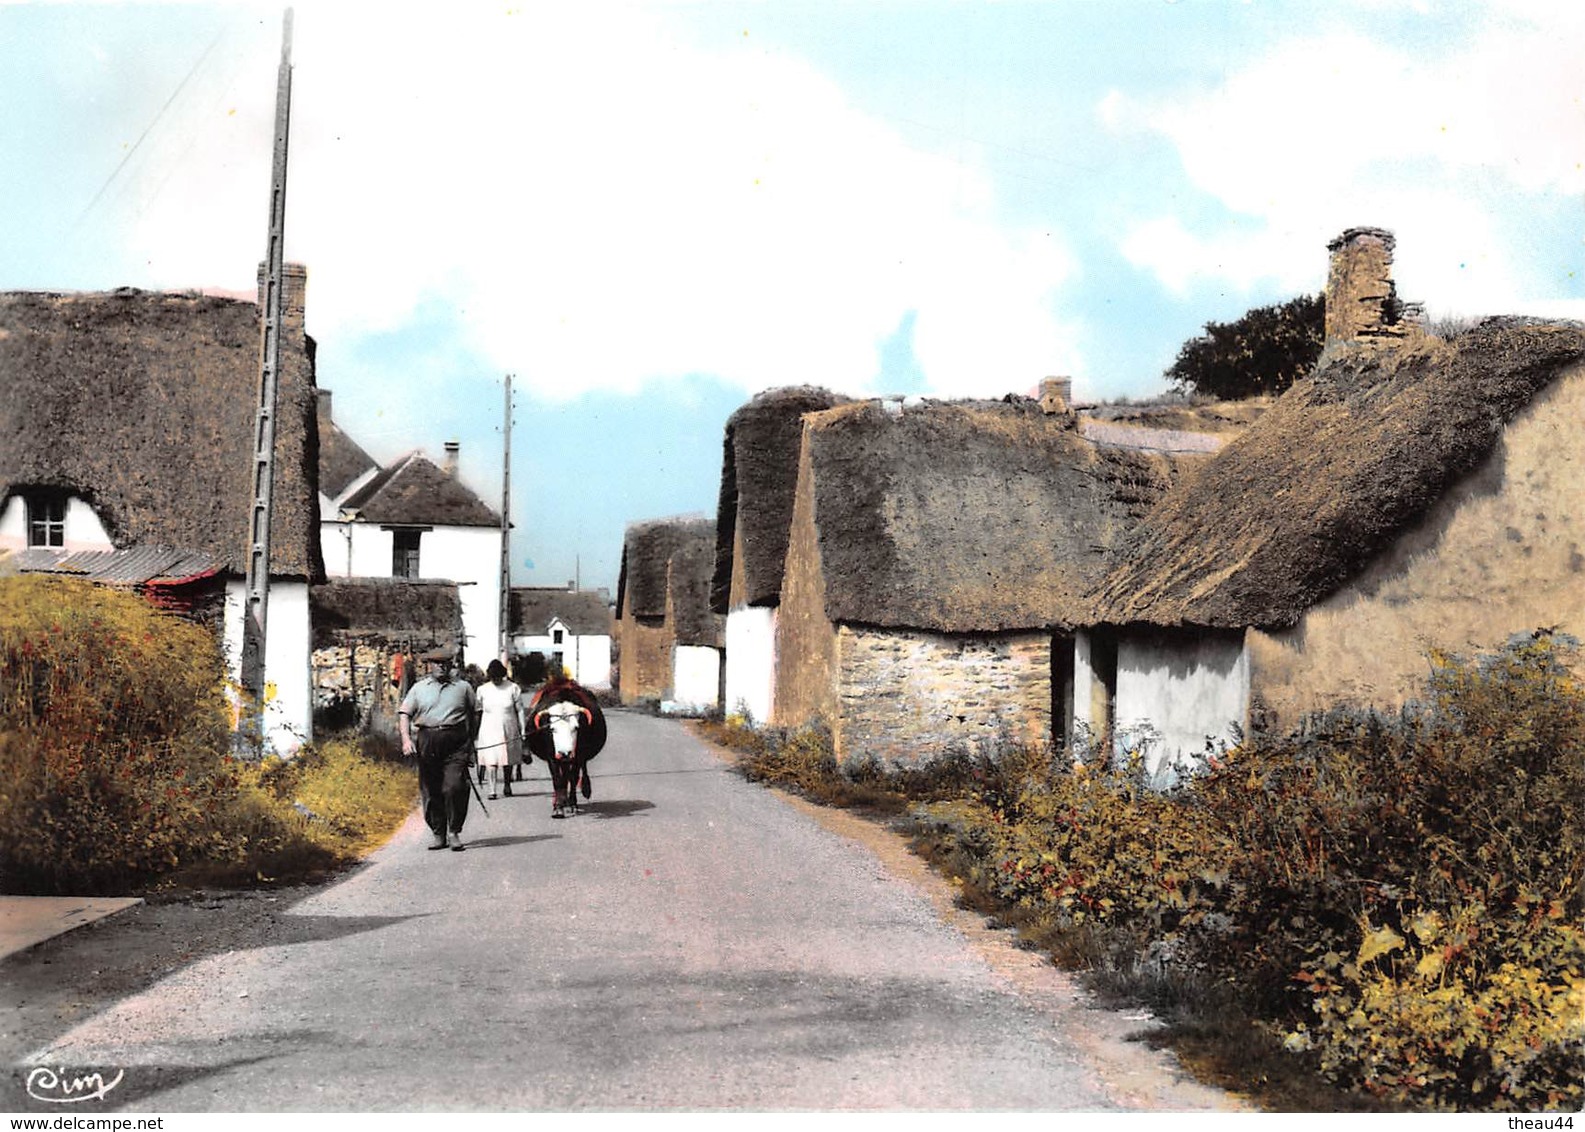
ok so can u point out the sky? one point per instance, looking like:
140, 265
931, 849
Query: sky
648, 213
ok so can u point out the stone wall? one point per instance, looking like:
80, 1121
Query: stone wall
906, 696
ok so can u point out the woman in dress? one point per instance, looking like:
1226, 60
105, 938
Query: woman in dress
500, 742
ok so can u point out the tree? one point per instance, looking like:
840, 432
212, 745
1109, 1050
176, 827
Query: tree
1265, 351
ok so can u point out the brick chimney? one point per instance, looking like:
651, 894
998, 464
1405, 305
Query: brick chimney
450, 465
1362, 304
294, 290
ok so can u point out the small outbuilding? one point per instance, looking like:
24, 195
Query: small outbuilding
564, 626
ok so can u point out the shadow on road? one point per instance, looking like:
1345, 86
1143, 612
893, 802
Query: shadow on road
499, 842
618, 809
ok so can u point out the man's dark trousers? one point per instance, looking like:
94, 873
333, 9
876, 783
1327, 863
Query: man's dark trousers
443, 788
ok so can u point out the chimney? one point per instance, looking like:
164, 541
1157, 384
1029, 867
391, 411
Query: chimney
450, 466
572, 586
1056, 394
1362, 304
294, 288
324, 406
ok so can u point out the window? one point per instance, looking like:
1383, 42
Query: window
555, 637
404, 553
46, 519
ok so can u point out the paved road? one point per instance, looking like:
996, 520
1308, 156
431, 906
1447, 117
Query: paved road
691, 941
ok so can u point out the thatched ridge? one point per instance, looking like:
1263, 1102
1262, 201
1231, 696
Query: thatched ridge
675, 558
586, 612
759, 473
413, 491
1341, 465
396, 612
970, 516
143, 404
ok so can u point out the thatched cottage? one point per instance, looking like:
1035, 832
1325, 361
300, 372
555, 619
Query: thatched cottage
126, 439
759, 472
669, 641
417, 520
937, 553
565, 626
1411, 493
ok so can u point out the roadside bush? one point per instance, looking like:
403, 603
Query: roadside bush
112, 731
1399, 896
115, 772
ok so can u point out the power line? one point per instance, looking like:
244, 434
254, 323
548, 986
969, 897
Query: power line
150, 127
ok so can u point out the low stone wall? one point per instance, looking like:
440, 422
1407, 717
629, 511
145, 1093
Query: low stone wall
906, 697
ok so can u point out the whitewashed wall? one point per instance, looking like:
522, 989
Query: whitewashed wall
586, 658
1186, 689
751, 663
696, 677
83, 530
288, 710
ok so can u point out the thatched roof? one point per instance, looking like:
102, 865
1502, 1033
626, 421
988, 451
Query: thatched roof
341, 461
397, 612
1340, 466
970, 516
759, 473
414, 492
675, 558
586, 612
143, 404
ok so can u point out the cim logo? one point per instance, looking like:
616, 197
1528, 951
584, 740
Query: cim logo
56, 1086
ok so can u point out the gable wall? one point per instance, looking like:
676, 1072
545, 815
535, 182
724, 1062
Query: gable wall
806, 641
1503, 552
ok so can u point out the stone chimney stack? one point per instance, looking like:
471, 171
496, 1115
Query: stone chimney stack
453, 448
1056, 400
324, 406
1362, 304
1056, 394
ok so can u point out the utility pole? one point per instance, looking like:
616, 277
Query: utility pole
506, 528
256, 597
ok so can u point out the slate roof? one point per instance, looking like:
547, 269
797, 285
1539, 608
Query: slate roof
413, 491
586, 612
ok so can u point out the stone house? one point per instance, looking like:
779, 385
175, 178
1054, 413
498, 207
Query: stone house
759, 472
416, 520
669, 641
1410, 494
127, 425
938, 554
566, 626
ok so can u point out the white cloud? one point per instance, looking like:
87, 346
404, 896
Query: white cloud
603, 204
1339, 130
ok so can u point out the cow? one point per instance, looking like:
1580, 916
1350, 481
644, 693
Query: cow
567, 730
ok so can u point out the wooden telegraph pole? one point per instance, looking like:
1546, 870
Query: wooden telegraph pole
250, 720
505, 640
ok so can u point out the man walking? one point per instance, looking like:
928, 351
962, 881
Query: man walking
439, 719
